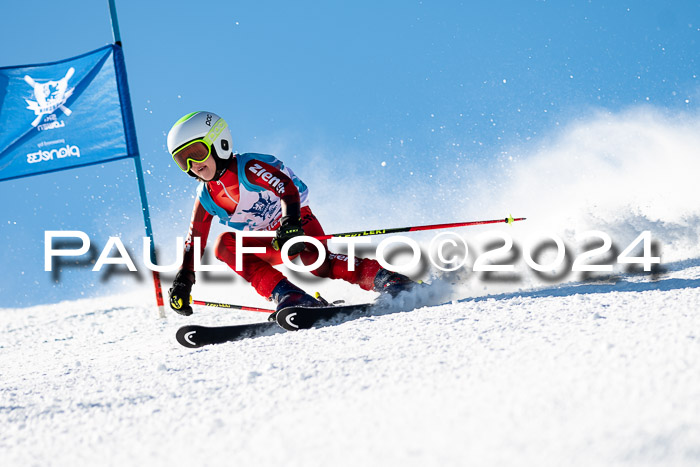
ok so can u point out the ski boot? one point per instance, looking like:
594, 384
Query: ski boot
286, 294
392, 283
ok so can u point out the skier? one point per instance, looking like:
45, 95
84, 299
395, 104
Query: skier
255, 192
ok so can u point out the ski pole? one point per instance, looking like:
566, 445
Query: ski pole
234, 307
365, 233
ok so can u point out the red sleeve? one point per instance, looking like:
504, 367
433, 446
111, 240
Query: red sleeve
199, 227
266, 176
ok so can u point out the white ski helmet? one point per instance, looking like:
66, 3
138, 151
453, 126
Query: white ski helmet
204, 127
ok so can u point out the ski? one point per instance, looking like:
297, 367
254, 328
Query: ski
294, 318
193, 336
290, 319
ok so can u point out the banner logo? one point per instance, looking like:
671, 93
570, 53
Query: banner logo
66, 151
49, 96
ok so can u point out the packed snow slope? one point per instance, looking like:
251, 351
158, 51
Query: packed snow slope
596, 373
519, 373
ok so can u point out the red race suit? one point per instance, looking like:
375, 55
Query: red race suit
253, 194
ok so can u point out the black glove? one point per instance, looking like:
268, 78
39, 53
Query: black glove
180, 297
288, 229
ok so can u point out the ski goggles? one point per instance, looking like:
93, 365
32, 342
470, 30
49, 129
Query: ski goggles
198, 150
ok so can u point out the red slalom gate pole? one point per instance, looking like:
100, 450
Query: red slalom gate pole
365, 233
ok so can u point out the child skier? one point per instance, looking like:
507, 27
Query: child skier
255, 192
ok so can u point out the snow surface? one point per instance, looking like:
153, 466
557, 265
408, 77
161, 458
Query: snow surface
597, 373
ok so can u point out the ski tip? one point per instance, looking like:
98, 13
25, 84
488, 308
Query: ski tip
187, 336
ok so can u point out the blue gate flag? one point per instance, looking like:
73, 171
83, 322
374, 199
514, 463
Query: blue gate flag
64, 114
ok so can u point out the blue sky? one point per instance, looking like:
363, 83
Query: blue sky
378, 94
